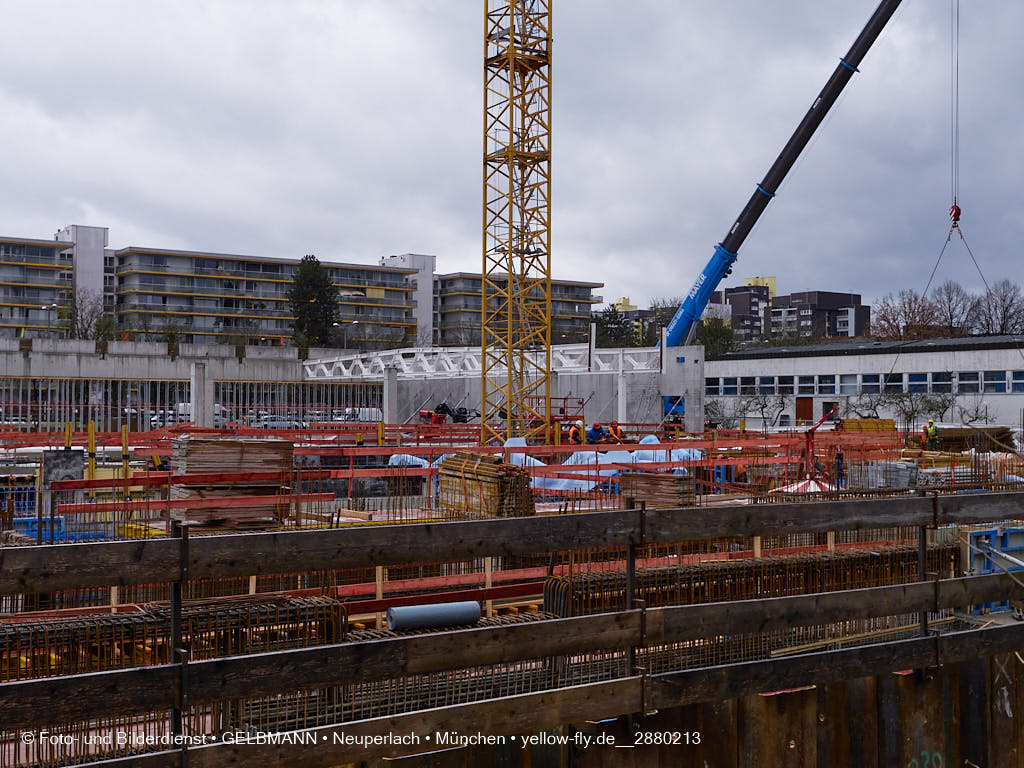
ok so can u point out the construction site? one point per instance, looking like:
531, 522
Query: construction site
227, 555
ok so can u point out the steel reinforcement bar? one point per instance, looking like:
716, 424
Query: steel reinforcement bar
150, 689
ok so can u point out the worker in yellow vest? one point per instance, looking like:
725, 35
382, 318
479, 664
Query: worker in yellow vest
931, 436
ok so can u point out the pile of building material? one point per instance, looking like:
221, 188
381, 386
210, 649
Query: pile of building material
868, 425
659, 490
873, 475
477, 486
194, 455
980, 438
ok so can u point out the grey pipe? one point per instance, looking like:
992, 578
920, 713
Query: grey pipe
433, 616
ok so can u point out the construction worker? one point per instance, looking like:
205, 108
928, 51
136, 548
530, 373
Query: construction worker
596, 434
931, 435
615, 432
576, 433
840, 469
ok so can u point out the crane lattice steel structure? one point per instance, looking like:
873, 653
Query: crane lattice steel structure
516, 290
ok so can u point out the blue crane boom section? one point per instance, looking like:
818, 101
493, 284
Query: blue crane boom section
681, 328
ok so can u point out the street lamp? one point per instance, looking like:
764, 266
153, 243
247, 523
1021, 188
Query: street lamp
344, 333
49, 320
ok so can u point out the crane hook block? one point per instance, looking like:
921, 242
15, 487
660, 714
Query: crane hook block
954, 213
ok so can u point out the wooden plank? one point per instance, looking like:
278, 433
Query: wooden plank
48, 700
778, 519
270, 673
104, 564
372, 545
685, 622
168, 759
980, 507
730, 680
973, 590
133, 562
973, 643
510, 715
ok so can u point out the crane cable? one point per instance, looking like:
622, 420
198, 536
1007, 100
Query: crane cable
954, 179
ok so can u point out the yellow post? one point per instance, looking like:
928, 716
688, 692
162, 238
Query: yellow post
124, 459
91, 470
68, 431
380, 433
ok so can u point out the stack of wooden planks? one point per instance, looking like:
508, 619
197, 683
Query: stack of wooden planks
868, 425
660, 490
194, 455
477, 485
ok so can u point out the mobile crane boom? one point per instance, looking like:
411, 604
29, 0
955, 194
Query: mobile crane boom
684, 323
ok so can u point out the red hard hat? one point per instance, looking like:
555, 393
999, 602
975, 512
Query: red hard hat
597, 424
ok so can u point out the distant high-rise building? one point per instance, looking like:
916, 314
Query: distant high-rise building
818, 313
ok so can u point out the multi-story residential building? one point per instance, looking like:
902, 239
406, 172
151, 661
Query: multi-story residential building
457, 297
93, 262
425, 311
208, 297
36, 285
818, 313
747, 305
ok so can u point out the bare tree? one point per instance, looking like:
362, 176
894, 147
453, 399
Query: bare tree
1001, 310
973, 412
904, 315
955, 308
865, 405
769, 407
86, 318
727, 412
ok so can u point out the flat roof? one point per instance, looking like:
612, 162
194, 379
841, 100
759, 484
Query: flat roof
32, 241
478, 276
270, 259
872, 347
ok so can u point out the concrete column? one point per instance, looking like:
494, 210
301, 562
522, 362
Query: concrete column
390, 406
620, 401
201, 389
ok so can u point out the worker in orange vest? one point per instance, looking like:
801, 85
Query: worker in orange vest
615, 432
576, 433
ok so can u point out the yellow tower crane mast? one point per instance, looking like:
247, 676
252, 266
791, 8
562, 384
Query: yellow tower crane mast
516, 284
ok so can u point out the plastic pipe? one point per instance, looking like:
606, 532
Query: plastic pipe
433, 616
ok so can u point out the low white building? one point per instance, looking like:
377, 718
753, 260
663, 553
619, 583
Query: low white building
966, 380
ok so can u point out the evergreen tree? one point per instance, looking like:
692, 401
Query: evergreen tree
314, 302
615, 330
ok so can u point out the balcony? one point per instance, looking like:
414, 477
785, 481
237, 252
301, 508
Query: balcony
46, 261
254, 275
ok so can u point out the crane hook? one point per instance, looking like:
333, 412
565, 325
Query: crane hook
954, 213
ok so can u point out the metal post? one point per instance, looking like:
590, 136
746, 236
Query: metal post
178, 655
922, 552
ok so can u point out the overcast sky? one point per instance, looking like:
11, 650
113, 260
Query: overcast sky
352, 129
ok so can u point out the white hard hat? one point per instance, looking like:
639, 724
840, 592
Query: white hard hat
579, 424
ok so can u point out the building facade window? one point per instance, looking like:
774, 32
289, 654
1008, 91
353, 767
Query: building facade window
917, 382
942, 382
967, 382
995, 381
869, 383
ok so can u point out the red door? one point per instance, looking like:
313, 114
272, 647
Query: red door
804, 410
